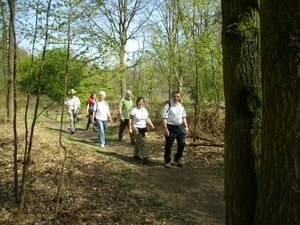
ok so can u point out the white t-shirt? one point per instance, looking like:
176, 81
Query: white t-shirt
174, 114
102, 110
139, 117
73, 104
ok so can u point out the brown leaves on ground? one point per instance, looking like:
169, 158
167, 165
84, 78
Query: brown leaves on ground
106, 185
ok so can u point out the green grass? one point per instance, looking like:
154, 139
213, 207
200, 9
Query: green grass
164, 215
126, 175
111, 131
219, 162
156, 201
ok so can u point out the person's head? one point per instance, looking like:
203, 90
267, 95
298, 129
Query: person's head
176, 97
128, 94
93, 95
72, 92
140, 102
102, 95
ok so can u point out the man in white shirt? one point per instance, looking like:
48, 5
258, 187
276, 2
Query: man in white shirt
73, 105
175, 127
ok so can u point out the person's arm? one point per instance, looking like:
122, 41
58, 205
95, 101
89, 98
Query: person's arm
166, 131
79, 104
87, 108
108, 114
93, 117
130, 124
185, 124
150, 123
121, 114
66, 102
76, 105
120, 110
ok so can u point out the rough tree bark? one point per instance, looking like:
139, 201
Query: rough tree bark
241, 69
279, 189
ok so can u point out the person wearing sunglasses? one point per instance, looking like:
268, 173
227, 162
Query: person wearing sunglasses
175, 127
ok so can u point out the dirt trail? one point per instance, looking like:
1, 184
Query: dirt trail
196, 189
107, 186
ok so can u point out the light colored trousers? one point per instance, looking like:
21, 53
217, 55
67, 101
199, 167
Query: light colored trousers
73, 119
139, 148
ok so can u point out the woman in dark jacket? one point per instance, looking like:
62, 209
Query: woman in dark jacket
89, 111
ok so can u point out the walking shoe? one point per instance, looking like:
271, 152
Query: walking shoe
102, 146
167, 165
179, 162
137, 157
146, 159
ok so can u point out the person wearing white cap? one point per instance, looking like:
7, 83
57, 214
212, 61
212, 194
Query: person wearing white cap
73, 105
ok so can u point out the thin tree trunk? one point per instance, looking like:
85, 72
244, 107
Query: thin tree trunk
4, 47
27, 154
12, 101
10, 69
60, 181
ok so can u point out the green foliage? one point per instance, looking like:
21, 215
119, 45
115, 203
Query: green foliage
188, 37
53, 74
187, 49
244, 27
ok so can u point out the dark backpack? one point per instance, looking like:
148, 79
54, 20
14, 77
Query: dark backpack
169, 103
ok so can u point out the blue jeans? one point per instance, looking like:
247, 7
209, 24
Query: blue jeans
101, 128
176, 132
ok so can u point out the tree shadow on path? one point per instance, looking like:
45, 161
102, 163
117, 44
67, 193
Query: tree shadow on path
195, 190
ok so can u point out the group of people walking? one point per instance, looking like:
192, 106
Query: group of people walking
135, 118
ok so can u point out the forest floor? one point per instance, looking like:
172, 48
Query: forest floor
106, 185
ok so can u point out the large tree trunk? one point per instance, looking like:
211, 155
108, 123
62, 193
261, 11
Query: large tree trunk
241, 68
279, 189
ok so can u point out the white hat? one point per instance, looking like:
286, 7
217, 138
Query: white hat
72, 92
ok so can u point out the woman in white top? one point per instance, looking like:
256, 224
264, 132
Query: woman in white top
100, 115
139, 117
